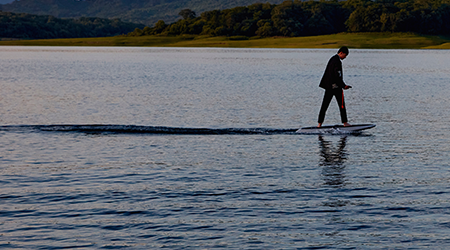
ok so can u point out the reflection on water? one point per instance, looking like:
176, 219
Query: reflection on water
332, 161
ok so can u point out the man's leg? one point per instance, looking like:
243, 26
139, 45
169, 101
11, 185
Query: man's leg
340, 100
325, 103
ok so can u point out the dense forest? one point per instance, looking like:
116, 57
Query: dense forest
298, 18
147, 12
290, 18
26, 26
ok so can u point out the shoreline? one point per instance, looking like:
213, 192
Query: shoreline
352, 40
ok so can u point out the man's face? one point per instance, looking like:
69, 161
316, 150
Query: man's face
342, 55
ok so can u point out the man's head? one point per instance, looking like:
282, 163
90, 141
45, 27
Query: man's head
343, 52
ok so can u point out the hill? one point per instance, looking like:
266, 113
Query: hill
27, 26
147, 12
288, 19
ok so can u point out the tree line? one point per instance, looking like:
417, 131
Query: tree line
27, 26
306, 18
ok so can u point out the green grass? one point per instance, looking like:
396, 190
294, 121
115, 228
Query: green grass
352, 40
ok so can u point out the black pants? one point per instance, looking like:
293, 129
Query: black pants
329, 93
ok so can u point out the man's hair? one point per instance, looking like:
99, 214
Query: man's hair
344, 50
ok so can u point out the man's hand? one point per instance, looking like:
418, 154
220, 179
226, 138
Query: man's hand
347, 87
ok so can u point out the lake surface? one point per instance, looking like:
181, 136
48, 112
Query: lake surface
127, 185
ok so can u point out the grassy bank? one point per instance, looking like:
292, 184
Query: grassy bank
353, 40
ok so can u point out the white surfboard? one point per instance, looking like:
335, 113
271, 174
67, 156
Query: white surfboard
336, 128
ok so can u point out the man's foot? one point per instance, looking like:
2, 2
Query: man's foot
346, 124
320, 125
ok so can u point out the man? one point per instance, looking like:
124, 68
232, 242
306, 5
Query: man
333, 83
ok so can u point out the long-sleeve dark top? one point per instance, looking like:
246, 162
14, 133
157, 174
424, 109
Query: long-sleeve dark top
333, 76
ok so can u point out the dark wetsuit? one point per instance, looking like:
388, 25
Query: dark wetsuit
333, 83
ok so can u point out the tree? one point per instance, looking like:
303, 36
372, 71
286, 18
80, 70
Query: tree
159, 27
235, 18
187, 14
288, 18
365, 19
178, 28
196, 27
318, 25
266, 28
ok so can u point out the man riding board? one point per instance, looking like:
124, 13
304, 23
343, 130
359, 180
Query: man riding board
333, 83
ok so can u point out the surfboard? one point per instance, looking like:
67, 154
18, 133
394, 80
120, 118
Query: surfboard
336, 128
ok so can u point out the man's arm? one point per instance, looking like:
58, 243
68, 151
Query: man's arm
338, 75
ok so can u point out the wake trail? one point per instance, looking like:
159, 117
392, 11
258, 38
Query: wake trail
134, 129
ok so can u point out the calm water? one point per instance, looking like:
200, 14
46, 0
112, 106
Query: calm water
386, 188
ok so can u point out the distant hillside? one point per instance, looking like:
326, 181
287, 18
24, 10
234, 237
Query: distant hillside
6, 1
27, 26
147, 12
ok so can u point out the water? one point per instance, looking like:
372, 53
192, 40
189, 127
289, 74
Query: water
118, 188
